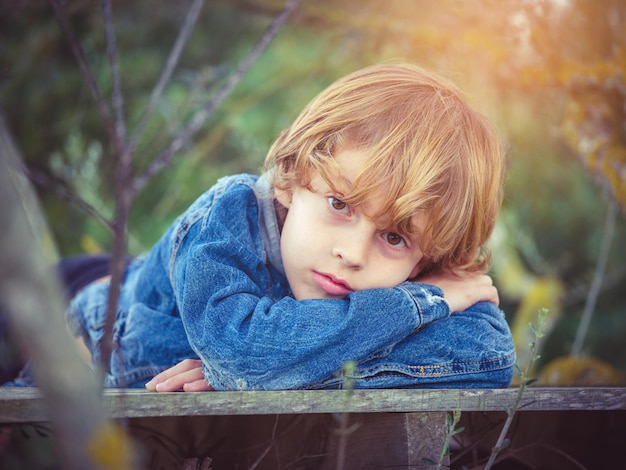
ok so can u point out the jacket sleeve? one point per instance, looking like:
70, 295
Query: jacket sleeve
247, 340
472, 349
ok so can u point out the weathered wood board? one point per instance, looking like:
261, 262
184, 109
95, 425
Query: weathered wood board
263, 430
27, 405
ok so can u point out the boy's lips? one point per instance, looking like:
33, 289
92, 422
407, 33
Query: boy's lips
331, 285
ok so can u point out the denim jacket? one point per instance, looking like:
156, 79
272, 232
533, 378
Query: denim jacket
214, 288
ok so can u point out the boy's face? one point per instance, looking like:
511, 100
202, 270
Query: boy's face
330, 249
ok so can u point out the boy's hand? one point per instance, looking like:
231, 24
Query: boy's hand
463, 289
186, 375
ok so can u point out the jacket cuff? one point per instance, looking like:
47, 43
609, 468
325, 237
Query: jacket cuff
429, 301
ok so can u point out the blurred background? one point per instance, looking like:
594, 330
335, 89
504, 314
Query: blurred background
549, 74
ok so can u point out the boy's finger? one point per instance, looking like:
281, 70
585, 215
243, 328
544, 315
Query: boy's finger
178, 369
178, 381
198, 386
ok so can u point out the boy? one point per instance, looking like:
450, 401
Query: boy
386, 186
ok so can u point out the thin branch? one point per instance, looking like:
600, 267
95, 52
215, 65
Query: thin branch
522, 451
123, 193
170, 65
57, 187
117, 99
88, 76
271, 445
563, 454
598, 276
579, 293
163, 159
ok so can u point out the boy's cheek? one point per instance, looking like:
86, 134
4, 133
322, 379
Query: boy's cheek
414, 272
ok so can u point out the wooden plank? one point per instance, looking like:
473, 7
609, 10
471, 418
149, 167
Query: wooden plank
25, 404
425, 435
390, 440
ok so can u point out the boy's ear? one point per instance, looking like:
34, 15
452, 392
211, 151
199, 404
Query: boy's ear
283, 196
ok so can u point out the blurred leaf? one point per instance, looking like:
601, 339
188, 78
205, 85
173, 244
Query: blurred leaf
581, 371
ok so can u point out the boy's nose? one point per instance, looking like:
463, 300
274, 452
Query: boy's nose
350, 257
353, 249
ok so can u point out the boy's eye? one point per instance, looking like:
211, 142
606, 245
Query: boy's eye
338, 205
394, 239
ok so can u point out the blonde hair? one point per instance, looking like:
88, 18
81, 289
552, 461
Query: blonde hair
426, 148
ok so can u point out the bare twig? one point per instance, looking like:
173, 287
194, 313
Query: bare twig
598, 276
123, 193
275, 438
528, 449
198, 119
563, 454
269, 447
62, 190
170, 65
579, 293
117, 99
88, 76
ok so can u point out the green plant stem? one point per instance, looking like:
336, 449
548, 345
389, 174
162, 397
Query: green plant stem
534, 349
344, 430
450, 431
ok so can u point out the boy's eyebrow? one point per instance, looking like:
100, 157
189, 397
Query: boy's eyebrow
343, 186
